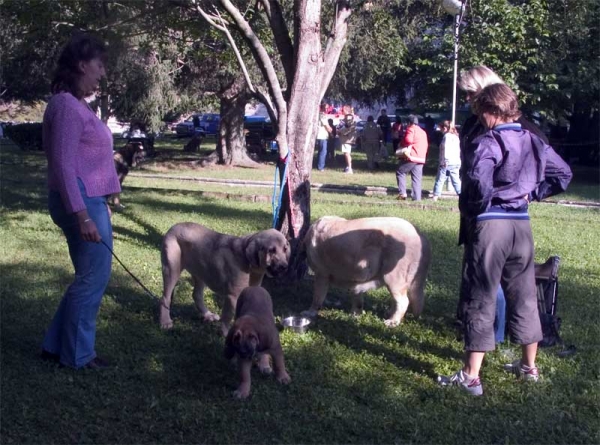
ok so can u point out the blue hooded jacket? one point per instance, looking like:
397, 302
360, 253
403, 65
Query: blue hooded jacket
506, 165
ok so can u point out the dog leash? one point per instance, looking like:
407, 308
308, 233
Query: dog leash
129, 272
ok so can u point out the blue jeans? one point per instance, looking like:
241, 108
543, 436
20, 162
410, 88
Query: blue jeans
72, 333
449, 170
500, 319
322, 143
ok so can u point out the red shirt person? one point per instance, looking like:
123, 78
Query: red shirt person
413, 154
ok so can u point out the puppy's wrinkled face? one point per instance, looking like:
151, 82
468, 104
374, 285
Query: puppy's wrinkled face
277, 256
245, 343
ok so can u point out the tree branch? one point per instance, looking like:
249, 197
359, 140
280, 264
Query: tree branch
282, 37
335, 42
262, 58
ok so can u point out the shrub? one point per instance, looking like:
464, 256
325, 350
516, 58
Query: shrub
26, 136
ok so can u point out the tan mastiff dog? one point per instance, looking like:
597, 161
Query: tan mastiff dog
254, 333
226, 264
365, 254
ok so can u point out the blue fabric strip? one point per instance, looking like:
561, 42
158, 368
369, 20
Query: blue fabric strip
511, 126
500, 213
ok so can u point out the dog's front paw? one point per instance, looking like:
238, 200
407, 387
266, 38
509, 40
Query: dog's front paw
284, 378
241, 393
391, 323
264, 365
209, 317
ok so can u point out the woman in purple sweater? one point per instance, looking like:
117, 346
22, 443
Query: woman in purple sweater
81, 174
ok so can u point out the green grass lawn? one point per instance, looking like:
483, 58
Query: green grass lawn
353, 379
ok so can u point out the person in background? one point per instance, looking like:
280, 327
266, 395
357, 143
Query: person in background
472, 82
385, 125
81, 175
449, 164
370, 139
323, 130
412, 156
347, 135
396, 133
429, 124
503, 170
331, 141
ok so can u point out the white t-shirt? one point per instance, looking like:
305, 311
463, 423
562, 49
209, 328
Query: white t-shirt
450, 149
322, 132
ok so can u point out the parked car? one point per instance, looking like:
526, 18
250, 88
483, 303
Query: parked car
117, 127
208, 125
259, 133
186, 128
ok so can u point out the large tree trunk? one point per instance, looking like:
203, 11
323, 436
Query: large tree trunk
231, 143
293, 107
294, 218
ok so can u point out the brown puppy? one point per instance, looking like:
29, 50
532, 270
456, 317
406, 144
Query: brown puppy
254, 332
225, 263
368, 253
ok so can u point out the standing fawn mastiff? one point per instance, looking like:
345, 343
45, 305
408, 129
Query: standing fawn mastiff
365, 254
225, 264
254, 332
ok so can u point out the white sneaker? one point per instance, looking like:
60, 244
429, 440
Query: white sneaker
471, 385
523, 372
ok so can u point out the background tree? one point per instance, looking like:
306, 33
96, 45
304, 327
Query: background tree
379, 55
545, 49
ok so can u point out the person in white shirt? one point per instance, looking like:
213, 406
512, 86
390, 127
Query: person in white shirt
449, 160
323, 131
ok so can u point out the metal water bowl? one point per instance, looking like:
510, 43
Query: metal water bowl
297, 324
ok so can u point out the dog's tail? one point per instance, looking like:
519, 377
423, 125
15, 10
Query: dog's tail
170, 257
416, 291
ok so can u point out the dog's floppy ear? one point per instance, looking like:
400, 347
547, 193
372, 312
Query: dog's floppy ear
253, 248
232, 340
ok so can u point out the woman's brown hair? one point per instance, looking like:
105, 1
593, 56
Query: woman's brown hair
81, 48
497, 100
449, 126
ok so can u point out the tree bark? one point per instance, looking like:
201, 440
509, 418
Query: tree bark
294, 217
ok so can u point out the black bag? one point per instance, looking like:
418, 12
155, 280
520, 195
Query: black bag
546, 280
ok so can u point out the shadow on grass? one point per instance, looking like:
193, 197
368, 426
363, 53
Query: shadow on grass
205, 205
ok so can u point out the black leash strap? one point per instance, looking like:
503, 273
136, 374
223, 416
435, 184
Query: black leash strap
129, 272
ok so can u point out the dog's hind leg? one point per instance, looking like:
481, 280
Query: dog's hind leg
416, 291
400, 295
320, 288
198, 295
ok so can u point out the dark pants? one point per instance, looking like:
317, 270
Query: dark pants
72, 333
498, 251
331, 148
416, 174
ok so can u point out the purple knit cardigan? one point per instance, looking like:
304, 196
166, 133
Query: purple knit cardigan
77, 145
